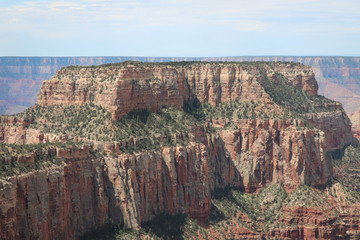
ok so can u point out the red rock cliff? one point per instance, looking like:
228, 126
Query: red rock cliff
68, 200
122, 89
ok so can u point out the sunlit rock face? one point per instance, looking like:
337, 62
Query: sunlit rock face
87, 191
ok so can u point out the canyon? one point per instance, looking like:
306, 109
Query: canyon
21, 77
126, 142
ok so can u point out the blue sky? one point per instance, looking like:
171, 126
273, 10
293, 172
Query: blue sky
179, 28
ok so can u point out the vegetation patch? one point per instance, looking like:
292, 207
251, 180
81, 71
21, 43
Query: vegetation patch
236, 110
44, 155
308, 197
139, 64
262, 207
290, 97
142, 129
347, 166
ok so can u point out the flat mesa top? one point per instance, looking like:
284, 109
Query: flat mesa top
128, 64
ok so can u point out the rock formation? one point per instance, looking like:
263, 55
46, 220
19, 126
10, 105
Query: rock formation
122, 89
21, 77
96, 182
355, 121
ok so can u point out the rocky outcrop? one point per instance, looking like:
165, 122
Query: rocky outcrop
21, 77
336, 126
122, 89
65, 201
296, 223
73, 198
128, 87
14, 130
275, 151
312, 223
355, 123
55, 203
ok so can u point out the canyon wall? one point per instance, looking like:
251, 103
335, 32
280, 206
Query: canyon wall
63, 202
71, 199
21, 77
122, 89
87, 191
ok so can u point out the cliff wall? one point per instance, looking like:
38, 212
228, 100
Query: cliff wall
87, 191
84, 192
63, 202
21, 77
122, 89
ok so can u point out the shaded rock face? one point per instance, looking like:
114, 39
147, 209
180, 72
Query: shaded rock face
121, 90
355, 123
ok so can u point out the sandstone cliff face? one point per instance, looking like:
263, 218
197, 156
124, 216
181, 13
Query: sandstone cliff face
85, 192
273, 151
66, 201
21, 77
336, 126
173, 180
55, 203
121, 90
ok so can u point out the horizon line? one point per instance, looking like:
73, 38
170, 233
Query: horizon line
77, 56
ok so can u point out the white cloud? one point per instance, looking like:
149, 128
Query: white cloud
245, 15
85, 20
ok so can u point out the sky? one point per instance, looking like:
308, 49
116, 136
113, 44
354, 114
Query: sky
180, 28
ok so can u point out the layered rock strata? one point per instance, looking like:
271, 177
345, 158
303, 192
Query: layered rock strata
85, 191
67, 200
21, 77
122, 89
